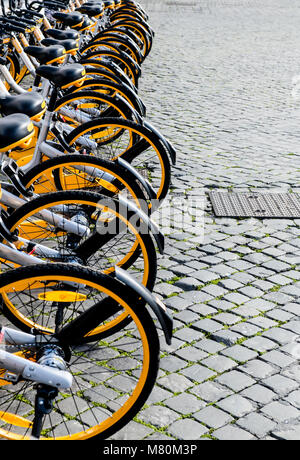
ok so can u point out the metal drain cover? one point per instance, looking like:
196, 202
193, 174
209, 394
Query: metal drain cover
231, 204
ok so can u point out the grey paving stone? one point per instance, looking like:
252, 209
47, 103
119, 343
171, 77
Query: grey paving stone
294, 398
292, 308
226, 336
187, 429
289, 433
243, 277
221, 304
198, 373
184, 404
278, 358
251, 291
158, 436
188, 334
213, 417
175, 382
158, 416
263, 322
158, 395
232, 433
236, 405
235, 380
263, 284
177, 303
239, 353
279, 279
210, 391
187, 283
246, 312
240, 264
258, 369
236, 298
280, 335
279, 315
260, 343
227, 318
230, 284
191, 354
292, 326
261, 305
186, 316
181, 270
223, 270
196, 296
219, 363
207, 325
202, 309
166, 289
245, 329
292, 372
276, 266
259, 394
280, 412
214, 290
131, 431
280, 384
205, 276
165, 275
172, 363
256, 424
210, 346
278, 298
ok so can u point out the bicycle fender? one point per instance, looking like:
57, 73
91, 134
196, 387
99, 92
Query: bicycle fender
165, 142
154, 303
146, 184
152, 226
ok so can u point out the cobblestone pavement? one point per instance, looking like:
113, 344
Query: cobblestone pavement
221, 84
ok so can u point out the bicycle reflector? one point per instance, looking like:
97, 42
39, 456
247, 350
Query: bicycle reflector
62, 296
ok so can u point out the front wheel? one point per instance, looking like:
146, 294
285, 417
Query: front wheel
112, 138
112, 379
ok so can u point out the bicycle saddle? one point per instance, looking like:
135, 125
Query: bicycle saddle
108, 4
70, 46
30, 104
47, 55
69, 19
86, 24
63, 77
16, 130
93, 11
62, 34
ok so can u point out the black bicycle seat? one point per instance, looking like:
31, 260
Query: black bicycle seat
63, 77
69, 45
15, 130
46, 55
86, 24
93, 11
62, 34
69, 19
108, 4
31, 104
